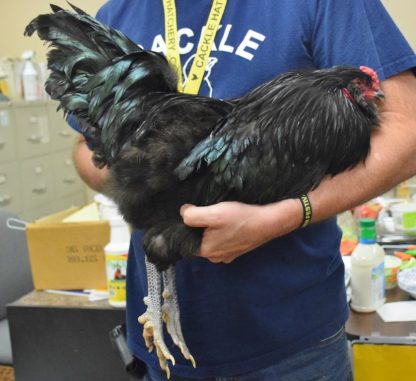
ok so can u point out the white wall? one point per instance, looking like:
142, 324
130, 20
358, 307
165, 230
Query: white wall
16, 14
403, 13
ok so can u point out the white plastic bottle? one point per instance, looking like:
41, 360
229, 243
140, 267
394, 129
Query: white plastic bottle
30, 80
367, 270
116, 252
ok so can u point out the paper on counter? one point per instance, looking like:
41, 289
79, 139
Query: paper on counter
398, 311
67, 292
97, 295
93, 295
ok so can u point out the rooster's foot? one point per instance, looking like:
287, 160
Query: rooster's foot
171, 315
152, 319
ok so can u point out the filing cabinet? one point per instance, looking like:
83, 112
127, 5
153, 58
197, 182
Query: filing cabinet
67, 180
9, 187
37, 181
31, 125
37, 174
7, 140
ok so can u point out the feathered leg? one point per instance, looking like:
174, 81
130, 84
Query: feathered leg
171, 314
152, 319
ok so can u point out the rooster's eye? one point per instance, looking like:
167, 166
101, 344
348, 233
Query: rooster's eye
358, 82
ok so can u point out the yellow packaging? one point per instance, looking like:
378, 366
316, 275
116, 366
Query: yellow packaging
384, 361
116, 278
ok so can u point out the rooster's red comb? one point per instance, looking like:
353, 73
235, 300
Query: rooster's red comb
372, 74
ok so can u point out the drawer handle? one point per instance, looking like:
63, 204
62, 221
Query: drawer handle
38, 169
33, 119
41, 189
34, 138
2, 144
69, 180
5, 200
3, 179
64, 133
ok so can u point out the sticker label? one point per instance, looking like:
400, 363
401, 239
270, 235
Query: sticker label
377, 283
116, 276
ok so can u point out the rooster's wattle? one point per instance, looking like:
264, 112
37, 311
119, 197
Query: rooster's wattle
164, 148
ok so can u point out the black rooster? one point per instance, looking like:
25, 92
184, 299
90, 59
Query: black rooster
164, 148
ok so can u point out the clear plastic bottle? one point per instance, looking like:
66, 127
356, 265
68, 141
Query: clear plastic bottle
367, 270
30, 78
116, 252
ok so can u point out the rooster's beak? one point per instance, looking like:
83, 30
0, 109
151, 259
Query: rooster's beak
379, 95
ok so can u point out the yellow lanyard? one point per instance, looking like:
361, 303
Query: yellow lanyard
196, 74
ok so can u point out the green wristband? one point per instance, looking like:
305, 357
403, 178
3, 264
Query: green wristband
307, 210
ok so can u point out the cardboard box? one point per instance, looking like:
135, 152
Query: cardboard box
67, 255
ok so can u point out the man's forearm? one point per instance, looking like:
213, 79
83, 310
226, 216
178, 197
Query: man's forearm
232, 229
94, 177
392, 158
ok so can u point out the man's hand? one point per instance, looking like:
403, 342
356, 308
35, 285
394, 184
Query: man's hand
234, 228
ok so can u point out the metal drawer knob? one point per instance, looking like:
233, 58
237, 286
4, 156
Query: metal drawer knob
34, 138
40, 189
69, 180
38, 170
64, 133
5, 200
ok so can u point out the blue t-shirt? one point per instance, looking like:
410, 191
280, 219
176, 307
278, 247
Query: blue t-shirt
288, 294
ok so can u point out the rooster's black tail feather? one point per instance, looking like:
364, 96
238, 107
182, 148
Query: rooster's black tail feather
95, 67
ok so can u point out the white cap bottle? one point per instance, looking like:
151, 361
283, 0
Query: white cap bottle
116, 251
367, 270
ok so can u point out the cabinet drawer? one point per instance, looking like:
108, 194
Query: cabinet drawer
77, 199
10, 189
37, 181
33, 136
62, 135
31, 215
53, 207
67, 180
7, 140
